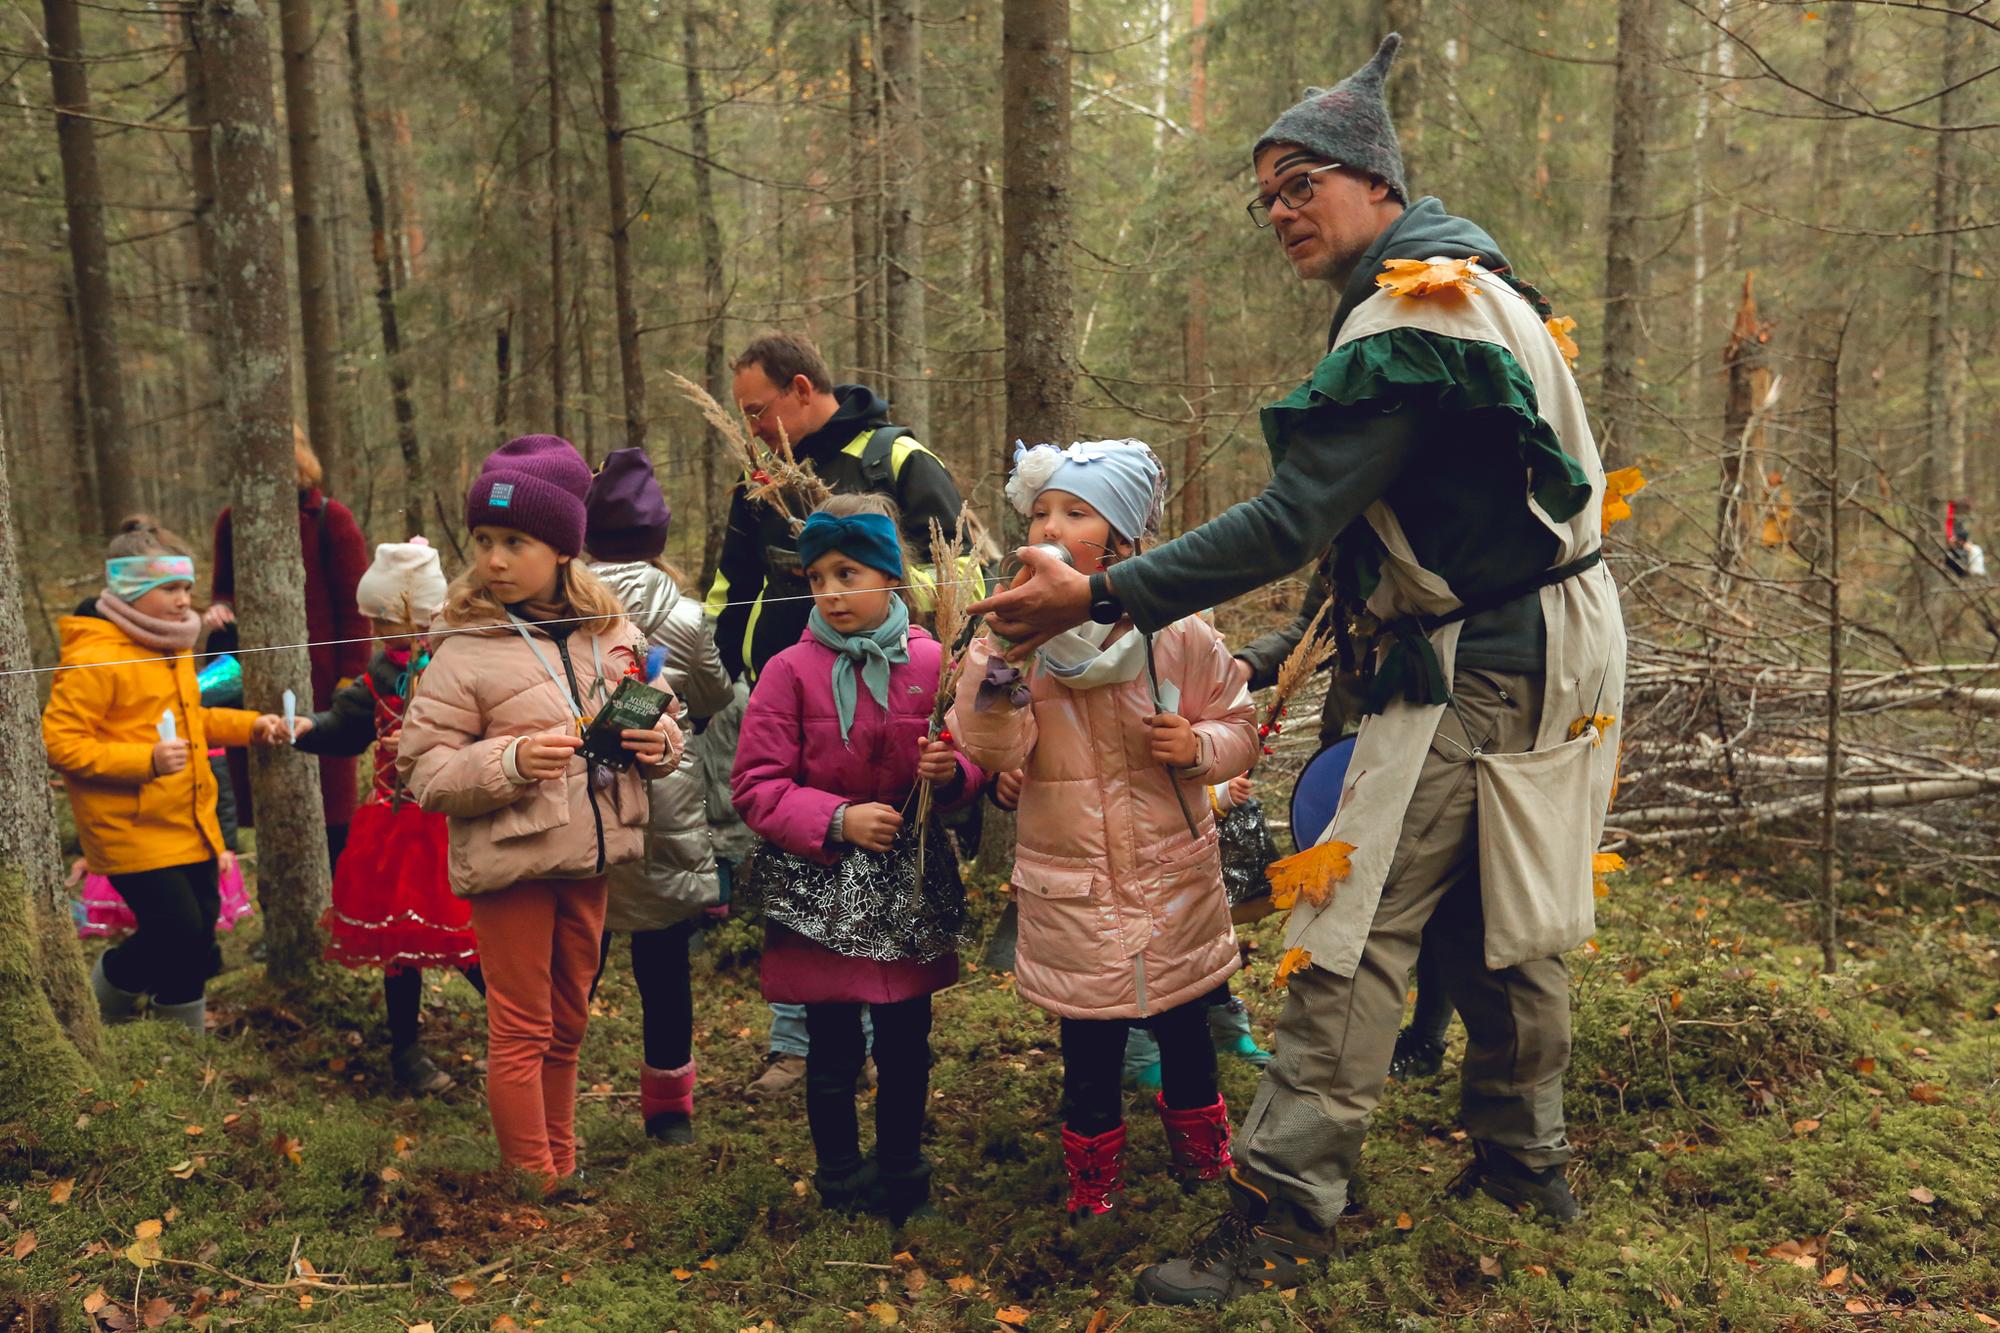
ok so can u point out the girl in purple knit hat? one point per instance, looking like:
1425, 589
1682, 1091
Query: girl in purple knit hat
529, 647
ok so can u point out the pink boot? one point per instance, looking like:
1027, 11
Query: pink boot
1199, 1140
1095, 1165
666, 1101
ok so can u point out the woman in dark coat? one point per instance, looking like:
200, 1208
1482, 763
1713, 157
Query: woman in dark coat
336, 556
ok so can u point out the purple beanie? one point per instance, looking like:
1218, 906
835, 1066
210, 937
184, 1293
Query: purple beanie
534, 484
626, 516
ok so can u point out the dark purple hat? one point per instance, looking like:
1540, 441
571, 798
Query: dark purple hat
534, 484
626, 515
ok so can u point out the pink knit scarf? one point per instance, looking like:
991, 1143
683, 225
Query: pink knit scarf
155, 632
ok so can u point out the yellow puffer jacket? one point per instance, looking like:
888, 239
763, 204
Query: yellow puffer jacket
100, 728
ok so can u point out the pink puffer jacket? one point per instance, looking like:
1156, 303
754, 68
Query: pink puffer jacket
1123, 914
483, 690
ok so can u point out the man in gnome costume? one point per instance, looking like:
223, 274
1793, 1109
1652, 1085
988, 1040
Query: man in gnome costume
1439, 456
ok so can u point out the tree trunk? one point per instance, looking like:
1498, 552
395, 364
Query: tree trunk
528, 396
715, 356
90, 257
632, 371
552, 174
1194, 334
1040, 363
1406, 90
201, 171
902, 208
256, 383
319, 330
1941, 442
76, 413
862, 208
1624, 270
416, 485
409, 219
47, 1013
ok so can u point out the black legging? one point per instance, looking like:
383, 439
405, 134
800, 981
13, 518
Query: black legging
1093, 1052
403, 996
173, 953
902, 1082
666, 995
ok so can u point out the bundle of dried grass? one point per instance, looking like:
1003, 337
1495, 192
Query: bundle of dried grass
953, 628
1314, 650
774, 476
1312, 873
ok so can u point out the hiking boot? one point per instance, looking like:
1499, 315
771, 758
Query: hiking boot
783, 1075
1522, 1188
113, 1005
1416, 1056
852, 1192
666, 1102
905, 1192
1096, 1172
417, 1074
1255, 1246
1199, 1141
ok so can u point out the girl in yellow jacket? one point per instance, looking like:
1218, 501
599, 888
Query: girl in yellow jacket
122, 724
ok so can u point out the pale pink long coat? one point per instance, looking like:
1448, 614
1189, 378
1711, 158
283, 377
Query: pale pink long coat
1123, 914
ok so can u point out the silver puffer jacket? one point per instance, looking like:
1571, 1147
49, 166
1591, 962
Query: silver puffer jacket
675, 879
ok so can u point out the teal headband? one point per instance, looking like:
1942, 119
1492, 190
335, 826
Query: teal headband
869, 539
133, 576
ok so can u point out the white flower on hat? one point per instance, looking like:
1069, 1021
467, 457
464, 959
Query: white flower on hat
1032, 469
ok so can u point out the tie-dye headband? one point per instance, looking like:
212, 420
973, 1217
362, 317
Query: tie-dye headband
133, 576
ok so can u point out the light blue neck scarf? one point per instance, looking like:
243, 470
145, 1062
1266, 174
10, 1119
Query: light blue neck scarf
878, 649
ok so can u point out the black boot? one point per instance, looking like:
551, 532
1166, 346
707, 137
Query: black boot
853, 1191
1496, 1171
1258, 1245
906, 1192
1416, 1056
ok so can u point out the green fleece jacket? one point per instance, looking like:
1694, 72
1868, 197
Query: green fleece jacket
1453, 477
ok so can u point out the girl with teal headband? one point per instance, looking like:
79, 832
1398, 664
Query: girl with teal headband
834, 741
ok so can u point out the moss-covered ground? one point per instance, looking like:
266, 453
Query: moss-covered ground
1759, 1146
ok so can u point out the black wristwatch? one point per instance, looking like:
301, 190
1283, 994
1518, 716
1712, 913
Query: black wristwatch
1105, 608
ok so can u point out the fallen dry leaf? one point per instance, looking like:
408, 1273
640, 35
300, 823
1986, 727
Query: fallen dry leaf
1418, 278
960, 1284
682, 1274
24, 1245
1097, 1321
1489, 1266
1923, 1196
157, 1312
1835, 1278
465, 1289
1012, 1315
393, 1231
504, 1324
1864, 1064
1804, 1127
885, 1314
149, 1228
1930, 1094
915, 1281
390, 1175
284, 1145
182, 1170
1404, 1222
60, 1191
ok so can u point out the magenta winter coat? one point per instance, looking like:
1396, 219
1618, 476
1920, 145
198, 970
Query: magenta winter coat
793, 771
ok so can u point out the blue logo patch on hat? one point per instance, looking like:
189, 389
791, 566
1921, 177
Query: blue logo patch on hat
503, 495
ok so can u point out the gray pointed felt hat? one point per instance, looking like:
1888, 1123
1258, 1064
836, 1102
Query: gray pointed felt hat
1349, 122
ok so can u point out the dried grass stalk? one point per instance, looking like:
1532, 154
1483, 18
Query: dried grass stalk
778, 479
948, 609
1313, 650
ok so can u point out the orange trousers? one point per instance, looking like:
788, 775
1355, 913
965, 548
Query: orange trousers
538, 945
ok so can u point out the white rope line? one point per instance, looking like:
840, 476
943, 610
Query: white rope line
442, 633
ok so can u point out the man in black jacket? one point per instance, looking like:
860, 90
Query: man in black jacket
785, 393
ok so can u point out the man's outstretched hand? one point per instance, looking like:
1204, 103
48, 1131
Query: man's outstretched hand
1046, 598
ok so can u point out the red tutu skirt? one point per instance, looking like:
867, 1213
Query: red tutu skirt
392, 901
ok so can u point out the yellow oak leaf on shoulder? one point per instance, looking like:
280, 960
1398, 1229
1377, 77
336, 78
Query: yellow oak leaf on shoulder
1619, 487
1602, 864
1449, 278
1560, 328
1294, 960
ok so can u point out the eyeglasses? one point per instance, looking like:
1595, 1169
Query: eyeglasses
755, 414
1296, 193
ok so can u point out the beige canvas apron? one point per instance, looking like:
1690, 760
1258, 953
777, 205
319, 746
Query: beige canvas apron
1540, 813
